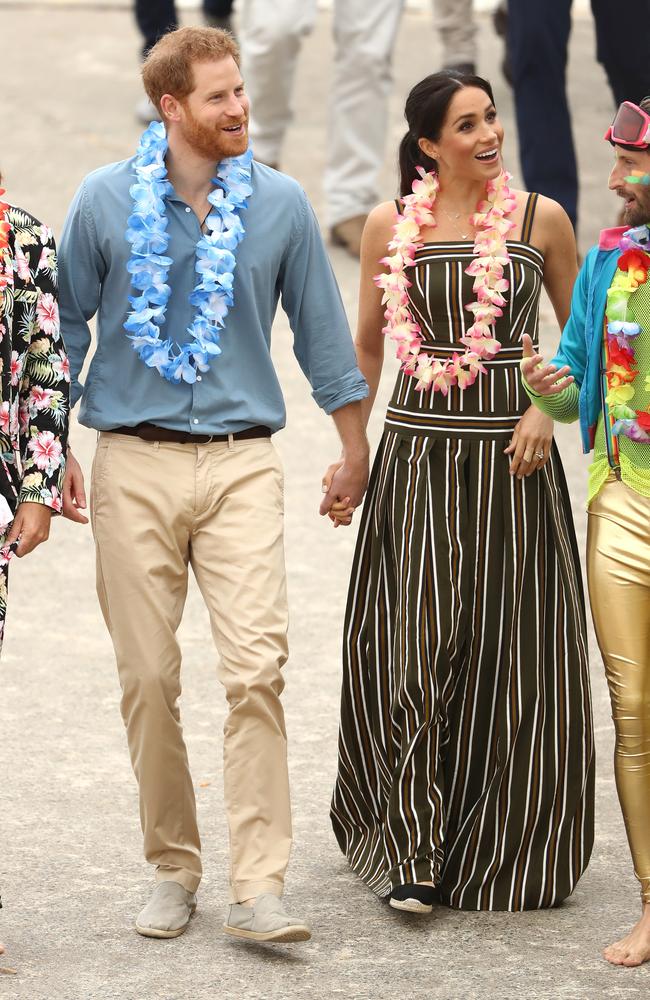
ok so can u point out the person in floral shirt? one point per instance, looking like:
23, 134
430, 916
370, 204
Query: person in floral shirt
34, 388
34, 391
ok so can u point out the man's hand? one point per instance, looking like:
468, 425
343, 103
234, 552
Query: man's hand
345, 482
30, 526
74, 494
545, 380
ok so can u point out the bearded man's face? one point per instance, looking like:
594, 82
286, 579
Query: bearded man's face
214, 119
630, 178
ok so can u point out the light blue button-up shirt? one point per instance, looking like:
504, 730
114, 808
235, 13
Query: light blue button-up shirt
281, 256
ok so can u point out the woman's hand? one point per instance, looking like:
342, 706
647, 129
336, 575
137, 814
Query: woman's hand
340, 512
530, 446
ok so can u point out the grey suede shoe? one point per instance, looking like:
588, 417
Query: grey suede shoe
267, 920
167, 913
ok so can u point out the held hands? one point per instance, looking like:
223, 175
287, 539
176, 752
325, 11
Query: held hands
341, 512
530, 446
74, 494
545, 380
344, 485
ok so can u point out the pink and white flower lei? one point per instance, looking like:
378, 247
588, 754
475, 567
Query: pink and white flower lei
490, 248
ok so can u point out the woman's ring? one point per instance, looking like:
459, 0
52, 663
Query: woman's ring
539, 455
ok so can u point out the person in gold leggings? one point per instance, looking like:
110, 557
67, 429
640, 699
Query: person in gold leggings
601, 374
618, 568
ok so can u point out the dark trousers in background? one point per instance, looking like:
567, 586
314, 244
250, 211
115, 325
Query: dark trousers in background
156, 17
538, 36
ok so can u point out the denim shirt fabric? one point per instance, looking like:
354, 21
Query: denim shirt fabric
282, 257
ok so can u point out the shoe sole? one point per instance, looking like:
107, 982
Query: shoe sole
410, 905
157, 932
286, 934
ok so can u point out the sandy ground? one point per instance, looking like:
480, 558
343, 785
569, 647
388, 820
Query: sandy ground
70, 866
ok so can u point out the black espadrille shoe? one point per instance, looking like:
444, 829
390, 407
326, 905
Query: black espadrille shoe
413, 898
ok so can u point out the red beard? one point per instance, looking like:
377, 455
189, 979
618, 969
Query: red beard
211, 143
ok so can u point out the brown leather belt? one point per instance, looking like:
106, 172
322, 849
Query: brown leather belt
149, 432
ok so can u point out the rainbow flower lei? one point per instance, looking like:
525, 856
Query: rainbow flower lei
621, 329
493, 225
215, 261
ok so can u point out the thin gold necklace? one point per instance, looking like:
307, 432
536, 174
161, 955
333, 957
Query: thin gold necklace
452, 219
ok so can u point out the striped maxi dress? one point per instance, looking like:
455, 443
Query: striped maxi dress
466, 751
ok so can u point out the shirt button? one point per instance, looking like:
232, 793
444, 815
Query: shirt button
198, 378
195, 421
188, 209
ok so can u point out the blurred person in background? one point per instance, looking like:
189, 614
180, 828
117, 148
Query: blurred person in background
271, 34
537, 51
156, 17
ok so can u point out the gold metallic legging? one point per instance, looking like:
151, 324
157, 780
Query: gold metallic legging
618, 569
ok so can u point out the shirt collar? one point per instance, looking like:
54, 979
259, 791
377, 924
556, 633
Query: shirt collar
610, 238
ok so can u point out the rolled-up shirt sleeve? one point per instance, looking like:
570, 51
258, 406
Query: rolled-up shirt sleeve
81, 270
312, 301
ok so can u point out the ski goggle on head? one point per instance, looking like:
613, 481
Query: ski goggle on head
631, 127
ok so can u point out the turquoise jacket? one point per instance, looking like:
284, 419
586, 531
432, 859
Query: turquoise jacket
581, 344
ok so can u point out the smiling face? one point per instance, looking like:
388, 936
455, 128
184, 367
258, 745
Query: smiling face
636, 196
213, 118
469, 145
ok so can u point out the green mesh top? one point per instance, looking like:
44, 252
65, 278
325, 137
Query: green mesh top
634, 456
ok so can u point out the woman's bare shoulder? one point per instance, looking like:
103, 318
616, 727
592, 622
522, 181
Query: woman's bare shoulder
550, 212
551, 224
546, 209
552, 228
381, 217
378, 229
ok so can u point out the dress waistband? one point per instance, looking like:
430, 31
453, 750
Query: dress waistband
506, 356
465, 425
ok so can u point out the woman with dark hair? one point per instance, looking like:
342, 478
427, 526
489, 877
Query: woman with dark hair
466, 762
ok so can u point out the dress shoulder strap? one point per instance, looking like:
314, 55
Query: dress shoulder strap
529, 216
399, 206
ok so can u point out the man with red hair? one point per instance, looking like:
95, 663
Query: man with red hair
183, 251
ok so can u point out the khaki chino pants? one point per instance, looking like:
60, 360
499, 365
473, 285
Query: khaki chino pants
156, 509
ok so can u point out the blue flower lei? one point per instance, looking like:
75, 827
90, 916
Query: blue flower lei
149, 267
